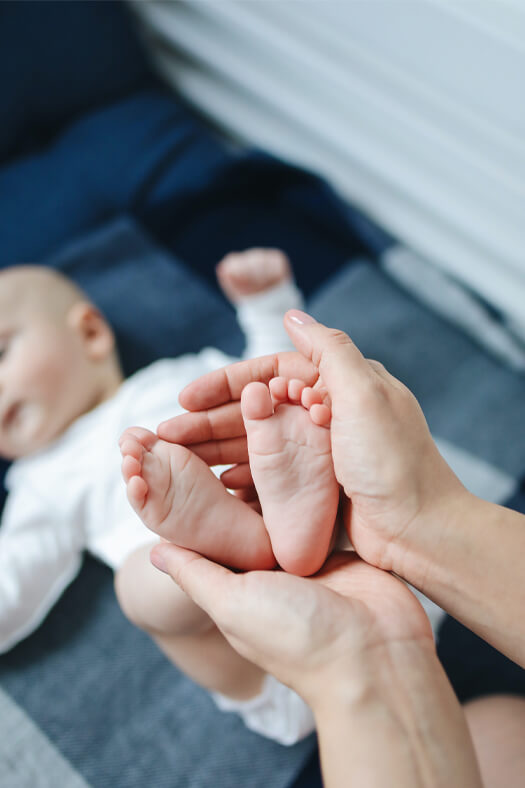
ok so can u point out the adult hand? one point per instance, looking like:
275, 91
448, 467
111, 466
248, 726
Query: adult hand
308, 632
355, 643
384, 456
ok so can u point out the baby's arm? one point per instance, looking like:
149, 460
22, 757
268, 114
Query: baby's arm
39, 557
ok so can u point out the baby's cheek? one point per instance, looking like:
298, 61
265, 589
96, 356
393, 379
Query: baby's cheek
50, 369
53, 372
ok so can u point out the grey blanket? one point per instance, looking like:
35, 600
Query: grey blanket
88, 700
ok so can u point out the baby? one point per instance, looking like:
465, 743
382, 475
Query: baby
63, 404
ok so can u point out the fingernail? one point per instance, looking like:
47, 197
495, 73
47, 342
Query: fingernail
158, 560
301, 318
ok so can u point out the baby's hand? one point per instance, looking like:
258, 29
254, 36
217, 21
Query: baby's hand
246, 273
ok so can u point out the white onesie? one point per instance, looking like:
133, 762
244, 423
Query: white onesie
70, 497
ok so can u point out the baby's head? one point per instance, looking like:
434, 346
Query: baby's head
57, 358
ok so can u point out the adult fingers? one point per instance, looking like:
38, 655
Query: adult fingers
238, 477
219, 423
340, 363
248, 495
226, 384
204, 581
225, 452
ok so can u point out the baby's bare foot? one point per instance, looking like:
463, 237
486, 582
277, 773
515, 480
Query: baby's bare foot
291, 464
246, 273
177, 496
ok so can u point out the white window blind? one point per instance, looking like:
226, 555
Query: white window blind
413, 109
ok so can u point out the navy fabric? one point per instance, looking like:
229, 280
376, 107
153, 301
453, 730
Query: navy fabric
93, 171
59, 60
156, 305
89, 133
253, 199
148, 157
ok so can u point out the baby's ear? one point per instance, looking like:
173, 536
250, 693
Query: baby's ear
93, 329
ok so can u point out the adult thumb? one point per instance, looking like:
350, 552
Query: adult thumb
340, 363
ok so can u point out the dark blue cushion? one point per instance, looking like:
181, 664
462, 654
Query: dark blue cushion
96, 169
157, 306
96, 135
149, 157
59, 60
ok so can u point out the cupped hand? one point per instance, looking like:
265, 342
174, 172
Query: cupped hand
305, 631
385, 459
392, 474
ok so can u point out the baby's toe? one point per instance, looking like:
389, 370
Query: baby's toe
137, 490
320, 414
256, 401
132, 448
140, 434
278, 389
310, 397
295, 389
131, 466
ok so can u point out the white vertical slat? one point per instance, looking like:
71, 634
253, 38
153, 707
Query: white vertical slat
414, 109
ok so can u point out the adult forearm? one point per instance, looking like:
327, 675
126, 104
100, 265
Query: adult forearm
469, 559
400, 725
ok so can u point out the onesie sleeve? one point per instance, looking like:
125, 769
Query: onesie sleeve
260, 317
39, 557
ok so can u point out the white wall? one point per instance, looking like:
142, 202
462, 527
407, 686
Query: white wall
414, 109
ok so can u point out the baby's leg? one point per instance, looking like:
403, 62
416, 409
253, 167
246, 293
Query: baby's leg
178, 497
184, 632
242, 274
291, 464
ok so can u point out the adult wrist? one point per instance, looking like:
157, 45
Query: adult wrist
357, 680
423, 549
467, 557
401, 724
